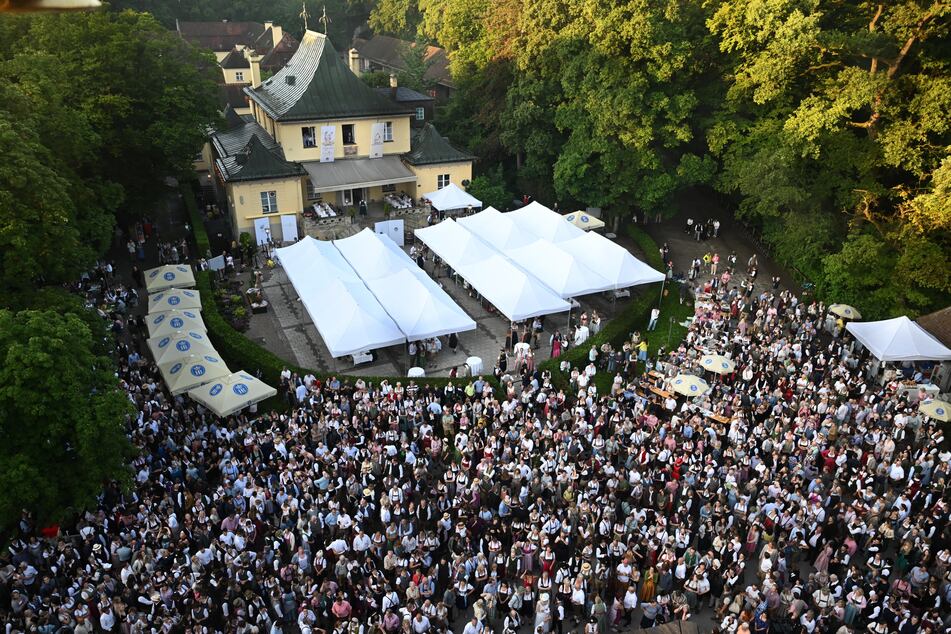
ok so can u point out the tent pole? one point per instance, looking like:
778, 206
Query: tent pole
660, 300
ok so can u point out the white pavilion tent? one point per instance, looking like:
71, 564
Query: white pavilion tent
538, 220
559, 270
452, 197
898, 339
610, 260
453, 244
514, 293
191, 371
346, 314
418, 305
169, 276
179, 345
174, 299
421, 310
172, 321
497, 229
231, 393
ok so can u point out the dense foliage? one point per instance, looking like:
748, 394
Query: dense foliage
96, 109
825, 125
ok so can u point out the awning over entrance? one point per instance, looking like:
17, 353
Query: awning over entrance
358, 173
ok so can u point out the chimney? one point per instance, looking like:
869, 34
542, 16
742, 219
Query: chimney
255, 61
277, 34
355, 62
393, 86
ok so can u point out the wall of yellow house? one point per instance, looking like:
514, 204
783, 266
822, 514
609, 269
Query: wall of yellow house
237, 75
203, 160
220, 55
427, 176
291, 138
244, 199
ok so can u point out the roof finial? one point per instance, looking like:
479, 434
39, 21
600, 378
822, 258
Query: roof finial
325, 20
303, 14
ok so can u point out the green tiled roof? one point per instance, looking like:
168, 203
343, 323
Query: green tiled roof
429, 147
316, 84
257, 162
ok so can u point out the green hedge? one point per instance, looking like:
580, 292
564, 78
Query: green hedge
634, 317
196, 220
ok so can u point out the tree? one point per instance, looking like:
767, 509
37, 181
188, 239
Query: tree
835, 130
396, 17
490, 188
62, 415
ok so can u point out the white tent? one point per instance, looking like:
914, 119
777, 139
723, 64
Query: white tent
452, 197
515, 294
538, 220
453, 244
346, 314
169, 276
174, 299
370, 255
419, 306
172, 321
421, 310
558, 270
498, 230
191, 371
610, 260
179, 345
584, 220
898, 339
232, 393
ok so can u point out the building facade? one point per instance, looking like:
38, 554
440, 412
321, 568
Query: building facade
316, 134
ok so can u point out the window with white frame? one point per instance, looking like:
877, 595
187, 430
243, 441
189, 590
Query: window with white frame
420, 113
349, 137
312, 193
309, 136
239, 76
268, 202
388, 131
442, 180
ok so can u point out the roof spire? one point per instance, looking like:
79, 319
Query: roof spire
303, 14
325, 20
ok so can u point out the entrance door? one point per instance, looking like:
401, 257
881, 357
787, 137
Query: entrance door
262, 230
352, 196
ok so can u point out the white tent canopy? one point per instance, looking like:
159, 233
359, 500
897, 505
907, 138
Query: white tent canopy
346, 314
558, 270
515, 294
453, 244
538, 220
174, 299
497, 229
421, 310
191, 371
584, 220
172, 321
898, 339
416, 303
452, 197
169, 276
610, 260
231, 393
179, 345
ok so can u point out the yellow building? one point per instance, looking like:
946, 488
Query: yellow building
317, 133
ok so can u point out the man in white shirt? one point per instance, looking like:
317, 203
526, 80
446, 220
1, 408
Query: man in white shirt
473, 627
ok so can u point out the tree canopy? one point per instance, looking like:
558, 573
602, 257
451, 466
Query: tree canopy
824, 125
62, 415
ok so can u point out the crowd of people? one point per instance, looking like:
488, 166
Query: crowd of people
797, 495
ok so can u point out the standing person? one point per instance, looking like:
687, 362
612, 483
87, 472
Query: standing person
714, 261
453, 342
716, 228
413, 354
655, 315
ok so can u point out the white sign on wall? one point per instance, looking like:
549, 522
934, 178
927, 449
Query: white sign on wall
262, 230
393, 229
289, 228
376, 140
328, 142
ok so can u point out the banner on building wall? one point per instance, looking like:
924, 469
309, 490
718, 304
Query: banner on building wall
262, 230
289, 228
328, 141
376, 140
